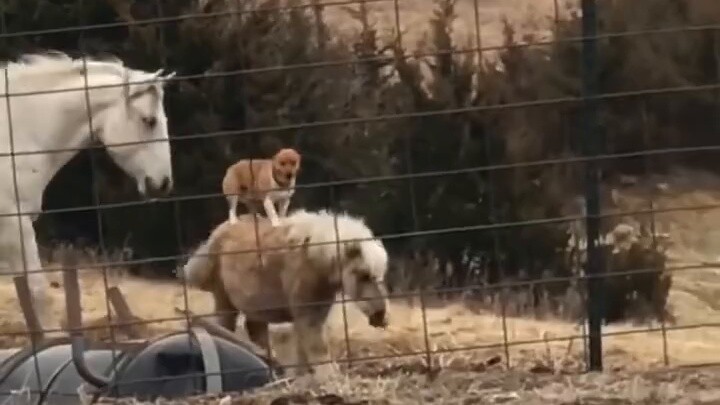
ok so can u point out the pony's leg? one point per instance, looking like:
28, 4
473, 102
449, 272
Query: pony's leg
270, 211
302, 366
309, 334
259, 334
232, 204
225, 311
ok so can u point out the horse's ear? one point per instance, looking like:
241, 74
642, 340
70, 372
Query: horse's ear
159, 74
353, 251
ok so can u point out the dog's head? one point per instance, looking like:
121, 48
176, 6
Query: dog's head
286, 165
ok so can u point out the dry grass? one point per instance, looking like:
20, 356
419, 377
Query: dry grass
666, 387
454, 327
477, 24
530, 17
450, 328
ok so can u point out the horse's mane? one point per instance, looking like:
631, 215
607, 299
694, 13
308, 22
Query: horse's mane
41, 69
322, 231
52, 61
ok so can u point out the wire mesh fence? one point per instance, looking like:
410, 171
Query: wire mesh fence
507, 205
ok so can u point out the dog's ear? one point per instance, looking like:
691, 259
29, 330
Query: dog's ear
353, 251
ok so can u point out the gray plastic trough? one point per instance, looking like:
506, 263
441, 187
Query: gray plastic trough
180, 365
171, 366
57, 381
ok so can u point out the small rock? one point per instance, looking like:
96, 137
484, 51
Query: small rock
504, 397
330, 399
540, 368
458, 364
493, 360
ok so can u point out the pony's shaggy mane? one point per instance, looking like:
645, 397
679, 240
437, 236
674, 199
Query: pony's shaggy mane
323, 230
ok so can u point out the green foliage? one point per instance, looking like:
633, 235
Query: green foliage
264, 43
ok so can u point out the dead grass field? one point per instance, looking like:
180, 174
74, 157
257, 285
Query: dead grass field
530, 17
462, 339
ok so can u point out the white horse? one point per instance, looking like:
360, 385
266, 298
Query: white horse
52, 102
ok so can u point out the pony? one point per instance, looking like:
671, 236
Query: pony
291, 273
54, 106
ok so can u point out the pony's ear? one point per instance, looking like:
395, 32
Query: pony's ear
353, 251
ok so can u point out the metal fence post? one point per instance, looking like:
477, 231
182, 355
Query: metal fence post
592, 147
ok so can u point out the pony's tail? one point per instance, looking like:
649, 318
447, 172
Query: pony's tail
202, 265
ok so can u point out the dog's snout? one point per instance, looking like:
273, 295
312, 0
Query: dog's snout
378, 319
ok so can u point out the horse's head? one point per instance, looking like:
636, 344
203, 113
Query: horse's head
135, 132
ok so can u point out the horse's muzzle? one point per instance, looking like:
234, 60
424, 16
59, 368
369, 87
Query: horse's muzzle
153, 190
378, 319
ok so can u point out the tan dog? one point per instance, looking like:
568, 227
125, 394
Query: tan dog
295, 277
262, 181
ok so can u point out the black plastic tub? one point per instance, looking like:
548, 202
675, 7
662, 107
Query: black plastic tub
172, 366
49, 376
183, 364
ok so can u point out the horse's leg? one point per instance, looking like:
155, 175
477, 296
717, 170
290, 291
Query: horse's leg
310, 336
225, 311
32, 267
